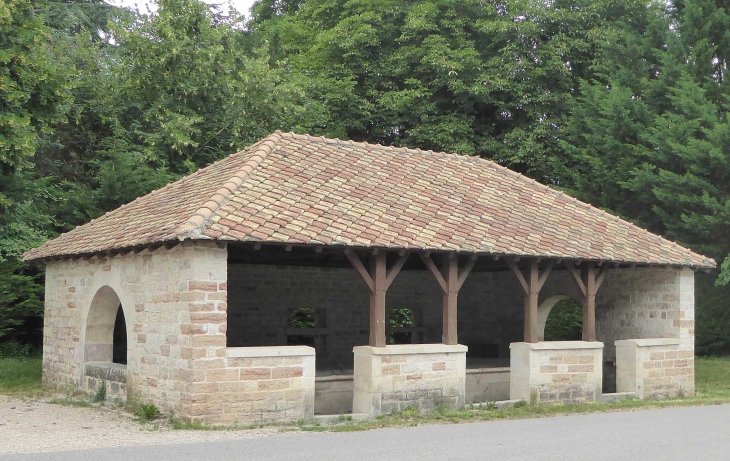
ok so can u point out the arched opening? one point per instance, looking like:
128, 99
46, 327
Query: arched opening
106, 330
560, 318
119, 345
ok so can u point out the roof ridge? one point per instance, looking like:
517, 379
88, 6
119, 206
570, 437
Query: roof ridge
195, 225
502, 168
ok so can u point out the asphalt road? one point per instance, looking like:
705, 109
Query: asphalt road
687, 434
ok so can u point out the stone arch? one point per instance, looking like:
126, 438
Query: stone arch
543, 311
100, 322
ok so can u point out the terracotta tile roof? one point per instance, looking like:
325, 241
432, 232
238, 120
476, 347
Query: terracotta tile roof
297, 189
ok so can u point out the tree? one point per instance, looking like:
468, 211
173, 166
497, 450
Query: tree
491, 79
187, 92
33, 87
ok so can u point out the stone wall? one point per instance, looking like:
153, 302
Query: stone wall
255, 384
112, 376
644, 303
174, 304
654, 368
393, 378
556, 372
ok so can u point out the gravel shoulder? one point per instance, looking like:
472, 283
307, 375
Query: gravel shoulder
36, 426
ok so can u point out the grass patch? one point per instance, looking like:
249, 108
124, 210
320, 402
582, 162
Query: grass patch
21, 376
712, 377
179, 425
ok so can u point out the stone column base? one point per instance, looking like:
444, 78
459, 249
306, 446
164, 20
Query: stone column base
654, 368
556, 371
423, 376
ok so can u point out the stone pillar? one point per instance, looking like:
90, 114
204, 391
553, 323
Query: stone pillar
556, 372
654, 368
393, 378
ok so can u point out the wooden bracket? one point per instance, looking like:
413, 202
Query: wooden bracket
357, 264
577, 277
426, 258
511, 263
465, 272
545, 274
393, 272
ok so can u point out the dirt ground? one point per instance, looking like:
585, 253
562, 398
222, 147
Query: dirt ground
36, 426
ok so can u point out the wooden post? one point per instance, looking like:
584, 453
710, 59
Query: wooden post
531, 289
377, 300
588, 281
450, 282
377, 280
451, 269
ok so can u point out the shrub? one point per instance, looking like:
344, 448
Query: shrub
148, 412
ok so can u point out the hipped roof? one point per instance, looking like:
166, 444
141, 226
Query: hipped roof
304, 190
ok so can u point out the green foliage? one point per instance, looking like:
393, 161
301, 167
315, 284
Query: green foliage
400, 318
33, 85
565, 321
303, 317
20, 375
148, 412
493, 79
100, 394
712, 316
20, 297
14, 351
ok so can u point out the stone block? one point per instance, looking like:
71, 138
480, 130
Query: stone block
391, 378
576, 376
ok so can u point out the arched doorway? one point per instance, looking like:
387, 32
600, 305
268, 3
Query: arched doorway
106, 330
560, 318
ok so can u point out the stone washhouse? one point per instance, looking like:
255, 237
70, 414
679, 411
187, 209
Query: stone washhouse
307, 276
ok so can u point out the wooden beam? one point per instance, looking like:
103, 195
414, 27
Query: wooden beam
360, 269
576, 276
393, 272
465, 272
531, 335
451, 272
511, 263
435, 272
531, 286
257, 246
601, 276
589, 302
545, 275
318, 249
288, 247
377, 300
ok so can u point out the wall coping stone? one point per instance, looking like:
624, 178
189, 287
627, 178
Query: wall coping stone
407, 349
648, 342
482, 371
269, 351
558, 345
333, 378
107, 371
